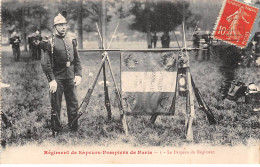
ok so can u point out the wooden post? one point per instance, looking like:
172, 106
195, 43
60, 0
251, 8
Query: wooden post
24, 29
190, 107
148, 26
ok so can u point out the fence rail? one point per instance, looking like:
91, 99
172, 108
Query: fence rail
138, 50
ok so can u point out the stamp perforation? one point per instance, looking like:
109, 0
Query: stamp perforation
217, 24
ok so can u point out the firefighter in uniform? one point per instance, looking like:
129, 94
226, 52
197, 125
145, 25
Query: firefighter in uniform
247, 55
15, 42
206, 46
230, 57
36, 46
257, 48
165, 40
196, 43
154, 39
62, 65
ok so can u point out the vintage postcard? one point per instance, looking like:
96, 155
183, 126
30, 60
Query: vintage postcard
130, 82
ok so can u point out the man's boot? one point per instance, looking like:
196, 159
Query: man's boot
224, 89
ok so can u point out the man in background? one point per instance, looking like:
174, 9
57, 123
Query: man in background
36, 46
165, 39
196, 43
15, 42
230, 57
154, 39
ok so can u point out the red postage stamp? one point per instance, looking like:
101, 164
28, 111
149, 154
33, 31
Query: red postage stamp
235, 22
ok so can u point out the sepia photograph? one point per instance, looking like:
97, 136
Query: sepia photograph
130, 81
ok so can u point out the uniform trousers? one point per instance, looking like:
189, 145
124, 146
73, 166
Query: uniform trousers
228, 76
16, 53
68, 88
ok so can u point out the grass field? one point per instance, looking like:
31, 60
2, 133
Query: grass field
26, 103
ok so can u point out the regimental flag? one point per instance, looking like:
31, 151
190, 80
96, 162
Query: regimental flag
148, 80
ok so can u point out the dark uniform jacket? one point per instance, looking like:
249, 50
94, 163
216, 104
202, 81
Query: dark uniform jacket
36, 40
257, 49
55, 66
196, 41
229, 55
15, 40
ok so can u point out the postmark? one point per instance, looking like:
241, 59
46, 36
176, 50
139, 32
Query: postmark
235, 23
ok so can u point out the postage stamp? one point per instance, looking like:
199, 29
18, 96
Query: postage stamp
235, 22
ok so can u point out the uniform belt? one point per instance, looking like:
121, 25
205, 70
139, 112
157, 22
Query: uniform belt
63, 65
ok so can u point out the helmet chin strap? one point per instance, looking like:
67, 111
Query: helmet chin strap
59, 33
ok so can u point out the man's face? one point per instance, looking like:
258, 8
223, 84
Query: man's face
61, 28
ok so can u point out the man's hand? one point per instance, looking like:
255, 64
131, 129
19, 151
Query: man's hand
53, 86
77, 80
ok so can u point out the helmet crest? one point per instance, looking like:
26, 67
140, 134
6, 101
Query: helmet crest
59, 19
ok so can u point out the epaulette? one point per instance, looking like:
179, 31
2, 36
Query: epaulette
74, 42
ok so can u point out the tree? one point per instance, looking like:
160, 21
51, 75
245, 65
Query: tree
160, 16
85, 13
80, 24
205, 13
25, 16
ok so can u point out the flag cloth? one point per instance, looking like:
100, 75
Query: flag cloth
148, 80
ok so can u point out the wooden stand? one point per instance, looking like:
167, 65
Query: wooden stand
86, 100
183, 70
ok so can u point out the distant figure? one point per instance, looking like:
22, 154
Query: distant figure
196, 44
15, 42
230, 57
154, 40
210, 41
44, 43
257, 48
206, 47
165, 40
36, 46
248, 56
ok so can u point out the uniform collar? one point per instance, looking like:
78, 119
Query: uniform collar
60, 36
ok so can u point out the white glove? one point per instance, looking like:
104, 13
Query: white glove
77, 80
53, 86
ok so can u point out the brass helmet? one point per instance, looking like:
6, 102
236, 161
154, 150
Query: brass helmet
59, 19
37, 33
14, 34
